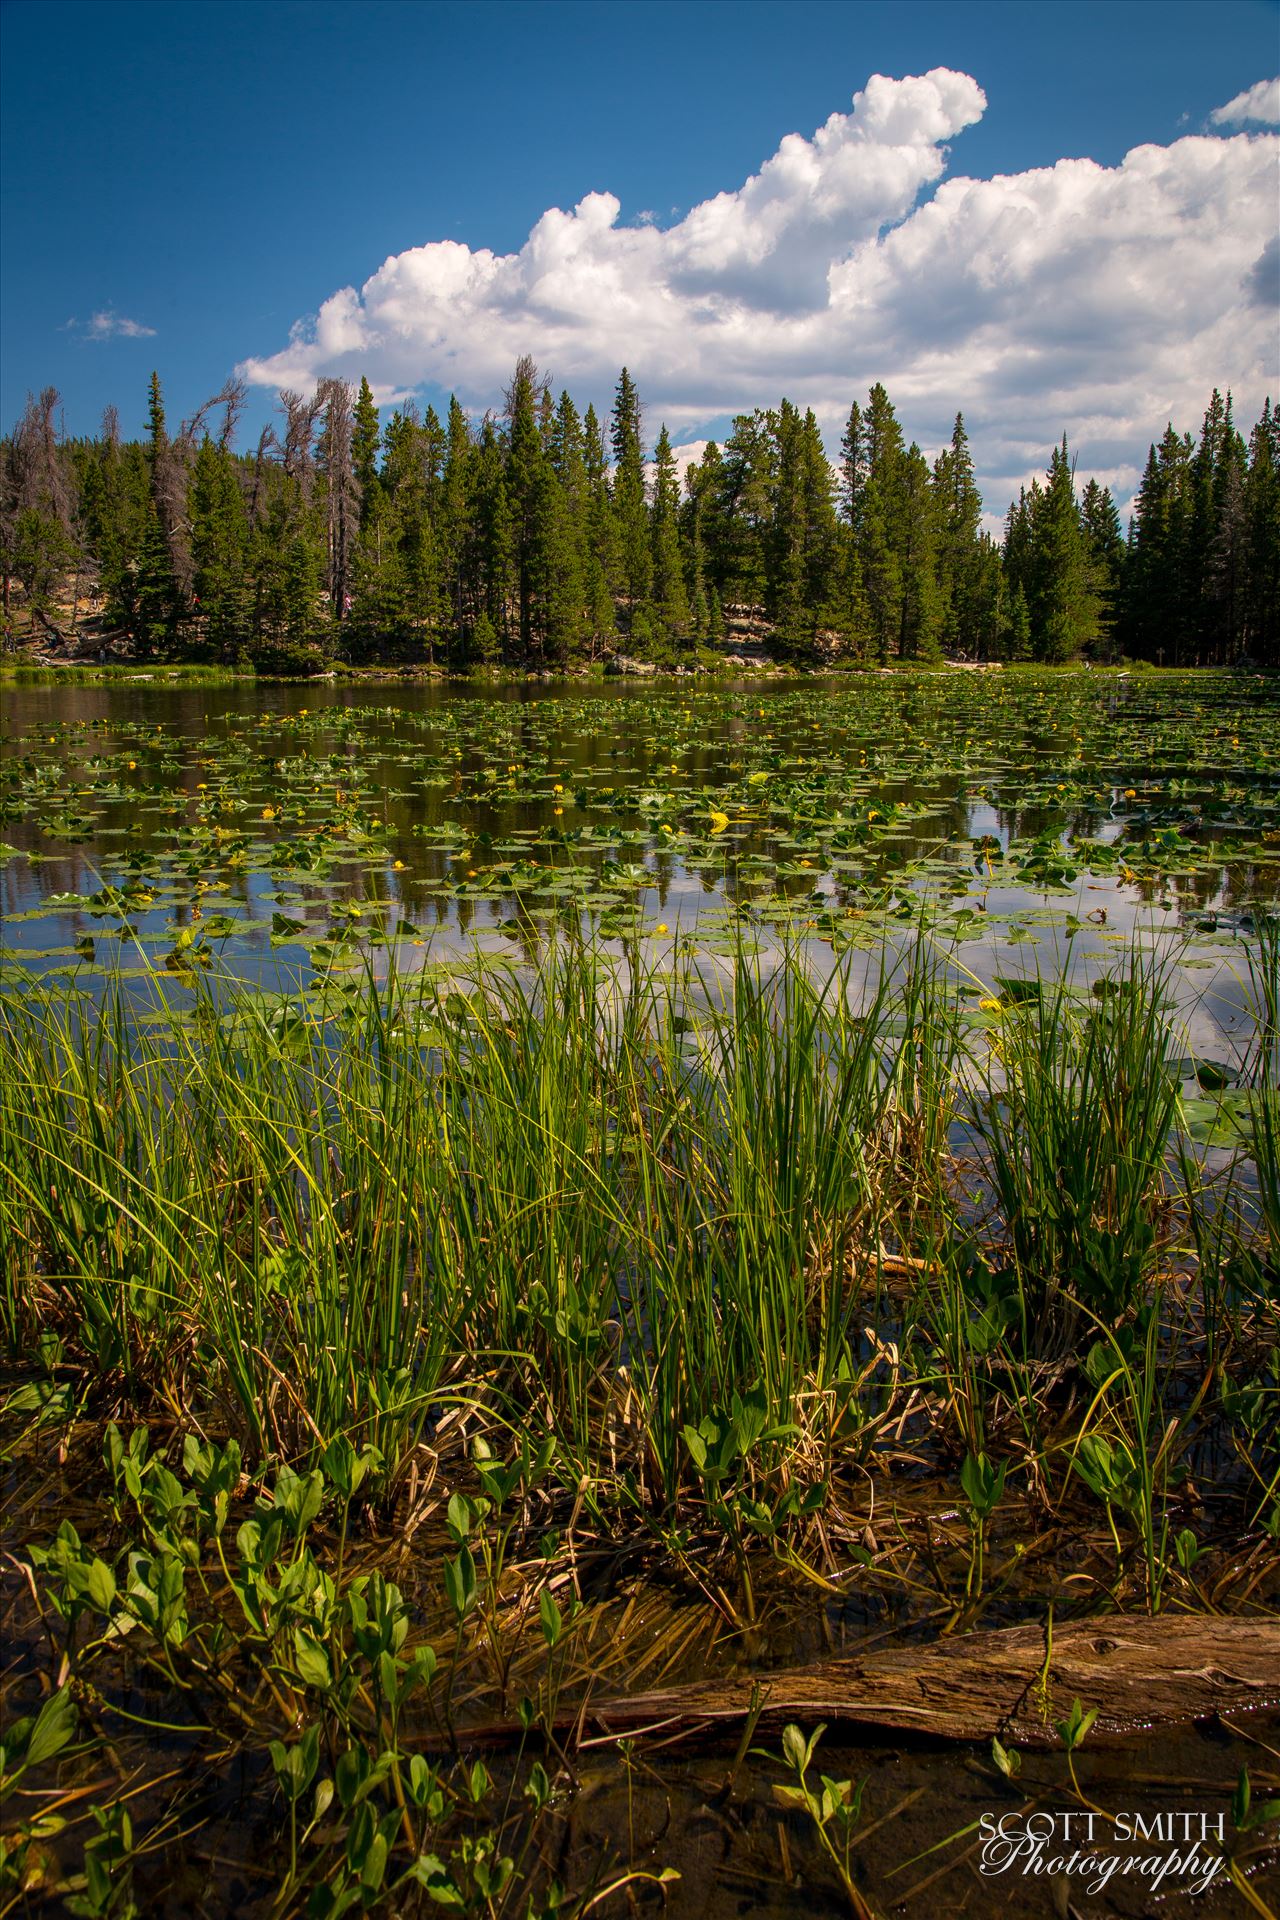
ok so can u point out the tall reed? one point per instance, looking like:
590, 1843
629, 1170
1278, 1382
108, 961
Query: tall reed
1075, 1113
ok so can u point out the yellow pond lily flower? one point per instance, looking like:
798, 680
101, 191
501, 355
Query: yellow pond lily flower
719, 821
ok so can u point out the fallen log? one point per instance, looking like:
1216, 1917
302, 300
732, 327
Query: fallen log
51, 626
1138, 1674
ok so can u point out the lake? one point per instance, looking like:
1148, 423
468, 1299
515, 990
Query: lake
278, 830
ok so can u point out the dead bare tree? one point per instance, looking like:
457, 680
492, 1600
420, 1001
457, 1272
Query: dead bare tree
231, 399
337, 398
34, 482
37, 477
230, 396
267, 443
171, 474
298, 453
526, 378
169, 492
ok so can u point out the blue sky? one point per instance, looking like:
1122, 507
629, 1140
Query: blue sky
183, 184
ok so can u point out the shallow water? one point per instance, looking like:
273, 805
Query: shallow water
1034, 821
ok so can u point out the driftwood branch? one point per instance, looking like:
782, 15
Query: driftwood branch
1139, 1674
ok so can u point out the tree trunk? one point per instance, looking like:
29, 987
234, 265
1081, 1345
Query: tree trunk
1138, 1673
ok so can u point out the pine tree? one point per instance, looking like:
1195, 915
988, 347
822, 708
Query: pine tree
1199, 525
921, 607
670, 600
986, 601
787, 598
365, 438
1262, 508
715, 620
821, 526
691, 519
803, 544
1064, 602
219, 550
744, 510
851, 611
1227, 558
958, 517
168, 574
491, 546
558, 589
713, 525
881, 572
1105, 543
630, 507
453, 531
303, 626
113, 515
884, 443
1161, 597
151, 603
853, 470
525, 486
434, 451
602, 565
1016, 626
412, 586
567, 453
157, 432
287, 555
882, 530
420, 562
156, 604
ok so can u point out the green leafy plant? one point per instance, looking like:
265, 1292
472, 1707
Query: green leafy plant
834, 1807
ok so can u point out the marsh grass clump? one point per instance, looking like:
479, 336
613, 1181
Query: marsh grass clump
1075, 1117
1263, 1077
431, 1349
308, 1220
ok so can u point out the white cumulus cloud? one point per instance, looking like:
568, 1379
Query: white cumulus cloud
1260, 102
107, 324
1099, 300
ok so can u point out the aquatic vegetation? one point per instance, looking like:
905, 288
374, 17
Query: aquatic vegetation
411, 1337
281, 829
1075, 1119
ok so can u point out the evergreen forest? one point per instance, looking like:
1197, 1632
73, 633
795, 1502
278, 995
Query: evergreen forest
540, 538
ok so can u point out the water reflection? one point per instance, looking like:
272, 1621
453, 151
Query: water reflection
251, 820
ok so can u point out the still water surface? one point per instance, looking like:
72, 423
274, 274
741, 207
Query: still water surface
280, 832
